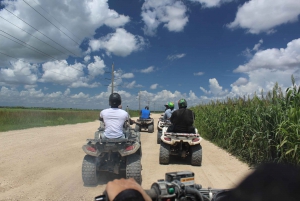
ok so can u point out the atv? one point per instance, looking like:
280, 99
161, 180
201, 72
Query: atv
160, 125
112, 155
147, 124
180, 144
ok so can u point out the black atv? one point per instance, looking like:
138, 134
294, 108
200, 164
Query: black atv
112, 155
147, 124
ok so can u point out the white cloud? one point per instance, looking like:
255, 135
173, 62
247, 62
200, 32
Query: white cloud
211, 3
80, 95
87, 58
215, 88
128, 75
120, 43
130, 85
96, 68
78, 21
175, 56
257, 46
240, 81
264, 15
170, 13
282, 59
148, 70
198, 73
153, 86
19, 73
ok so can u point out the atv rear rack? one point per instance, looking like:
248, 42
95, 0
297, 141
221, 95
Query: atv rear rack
93, 141
183, 134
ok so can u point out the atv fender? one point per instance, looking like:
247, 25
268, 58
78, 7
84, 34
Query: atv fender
131, 149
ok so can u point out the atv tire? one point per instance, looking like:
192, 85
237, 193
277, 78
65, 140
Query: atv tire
151, 128
159, 133
134, 168
89, 170
196, 155
138, 128
164, 153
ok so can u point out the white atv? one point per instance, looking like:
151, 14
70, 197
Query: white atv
180, 144
160, 125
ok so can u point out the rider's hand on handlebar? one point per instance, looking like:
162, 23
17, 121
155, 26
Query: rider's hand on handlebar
113, 188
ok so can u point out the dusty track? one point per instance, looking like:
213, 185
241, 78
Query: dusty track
45, 164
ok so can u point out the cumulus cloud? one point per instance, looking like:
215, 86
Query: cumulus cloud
198, 73
170, 13
148, 70
282, 59
19, 73
96, 68
175, 56
120, 43
211, 3
240, 81
128, 75
269, 14
153, 86
215, 88
87, 58
77, 20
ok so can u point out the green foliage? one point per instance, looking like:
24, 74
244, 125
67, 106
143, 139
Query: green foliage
21, 118
257, 129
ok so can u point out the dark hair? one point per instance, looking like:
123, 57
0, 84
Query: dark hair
147, 108
115, 100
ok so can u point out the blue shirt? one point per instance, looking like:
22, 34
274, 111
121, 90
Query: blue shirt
145, 114
168, 113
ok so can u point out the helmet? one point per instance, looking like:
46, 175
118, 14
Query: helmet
147, 108
171, 104
166, 105
115, 100
182, 103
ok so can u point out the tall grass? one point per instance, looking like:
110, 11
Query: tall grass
13, 119
257, 129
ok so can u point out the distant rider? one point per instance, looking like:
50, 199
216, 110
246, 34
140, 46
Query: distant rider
145, 113
114, 118
169, 111
182, 119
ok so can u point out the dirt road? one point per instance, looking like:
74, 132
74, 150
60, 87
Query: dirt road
45, 164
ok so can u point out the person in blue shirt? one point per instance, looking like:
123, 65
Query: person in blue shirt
145, 113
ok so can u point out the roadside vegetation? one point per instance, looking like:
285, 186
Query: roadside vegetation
258, 129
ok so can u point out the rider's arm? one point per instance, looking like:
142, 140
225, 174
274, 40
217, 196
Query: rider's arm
119, 188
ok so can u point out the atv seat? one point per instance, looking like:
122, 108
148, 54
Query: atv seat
117, 140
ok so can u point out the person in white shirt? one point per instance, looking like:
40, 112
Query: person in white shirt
114, 118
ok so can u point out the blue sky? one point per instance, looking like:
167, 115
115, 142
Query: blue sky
59, 53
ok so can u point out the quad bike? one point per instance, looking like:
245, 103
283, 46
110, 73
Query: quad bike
160, 125
179, 186
147, 124
180, 144
112, 155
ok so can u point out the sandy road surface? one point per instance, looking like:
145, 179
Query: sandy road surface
45, 164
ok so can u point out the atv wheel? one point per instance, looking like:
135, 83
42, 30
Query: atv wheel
164, 153
196, 155
134, 167
151, 128
89, 170
158, 136
137, 128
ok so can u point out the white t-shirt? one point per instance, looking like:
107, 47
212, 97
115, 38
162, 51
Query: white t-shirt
114, 119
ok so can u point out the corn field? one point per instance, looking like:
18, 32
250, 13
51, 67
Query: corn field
258, 129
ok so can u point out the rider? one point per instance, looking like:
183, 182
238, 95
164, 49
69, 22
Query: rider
166, 106
114, 118
169, 111
145, 113
182, 119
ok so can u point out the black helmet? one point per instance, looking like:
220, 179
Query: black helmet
115, 100
182, 103
147, 108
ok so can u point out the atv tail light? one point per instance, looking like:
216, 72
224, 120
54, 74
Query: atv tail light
129, 148
195, 140
167, 139
92, 149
